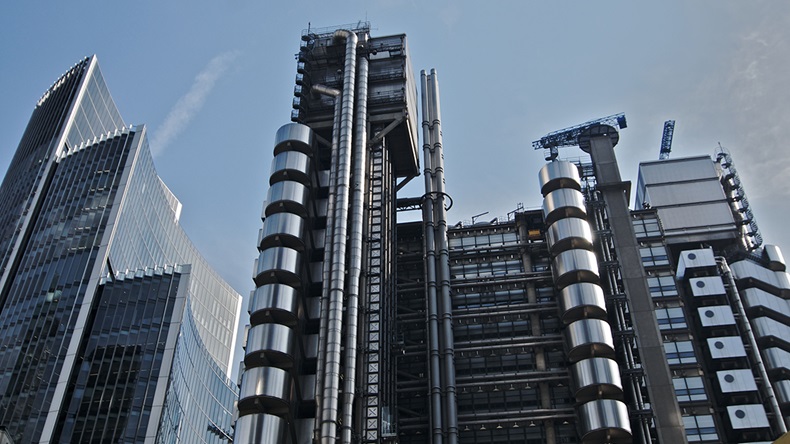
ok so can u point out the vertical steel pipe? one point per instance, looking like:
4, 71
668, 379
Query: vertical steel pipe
443, 266
359, 188
430, 269
329, 417
327, 265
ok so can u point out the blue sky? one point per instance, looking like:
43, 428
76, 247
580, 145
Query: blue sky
213, 81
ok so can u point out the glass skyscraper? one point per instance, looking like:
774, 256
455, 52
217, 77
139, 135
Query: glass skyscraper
113, 328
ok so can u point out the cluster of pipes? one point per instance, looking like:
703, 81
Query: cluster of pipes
443, 404
343, 248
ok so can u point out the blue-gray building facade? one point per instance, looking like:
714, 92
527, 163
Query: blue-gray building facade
112, 326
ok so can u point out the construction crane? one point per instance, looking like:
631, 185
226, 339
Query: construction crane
570, 136
666, 140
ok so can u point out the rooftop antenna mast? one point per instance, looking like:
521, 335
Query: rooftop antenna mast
666, 140
570, 136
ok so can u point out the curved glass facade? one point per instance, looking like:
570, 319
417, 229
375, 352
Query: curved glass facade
200, 398
100, 327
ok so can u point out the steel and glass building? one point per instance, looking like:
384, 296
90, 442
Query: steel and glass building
113, 328
580, 321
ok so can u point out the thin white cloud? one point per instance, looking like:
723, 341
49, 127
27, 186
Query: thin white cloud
190, 103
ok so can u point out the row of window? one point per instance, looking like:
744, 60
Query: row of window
484, 240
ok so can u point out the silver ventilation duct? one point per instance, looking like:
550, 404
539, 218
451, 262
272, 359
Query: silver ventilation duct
332, 366
357, 216
327, 263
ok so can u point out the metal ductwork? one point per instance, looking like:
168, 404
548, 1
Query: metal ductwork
588, 336
357, 216
327, 260
343, 241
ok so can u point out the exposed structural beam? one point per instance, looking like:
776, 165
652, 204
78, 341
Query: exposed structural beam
599, 141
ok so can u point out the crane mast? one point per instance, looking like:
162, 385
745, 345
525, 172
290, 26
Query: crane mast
570, 136
666, 140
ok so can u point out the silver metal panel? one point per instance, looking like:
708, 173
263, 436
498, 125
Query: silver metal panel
293, 136
321, 207
319, 238
270, 344
766, 327
316, 272
282, 229
747, 269
290, 165
712, 316
575, 266
776, 260
604, 420
310, 346
313, 306
680, 193
697, 218
747, 416
260, 427
596, 378
757, 299
677, 170
707, 286
582, 300
558, 174
287, 196
563, 202
304, 430
726, 347
782, 390
587, 338
275, 301
568, 233
265, 382
694, 259
323, 178
733, 381
278, 264
307, 387
776, 358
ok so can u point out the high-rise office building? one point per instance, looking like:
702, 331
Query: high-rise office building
113, 328
581, 321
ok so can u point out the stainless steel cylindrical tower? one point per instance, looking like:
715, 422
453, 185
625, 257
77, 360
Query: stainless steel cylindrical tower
268, 382
588, 337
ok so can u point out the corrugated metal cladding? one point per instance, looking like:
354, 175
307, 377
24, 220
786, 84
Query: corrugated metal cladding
678, 170
703, 190
700, 217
